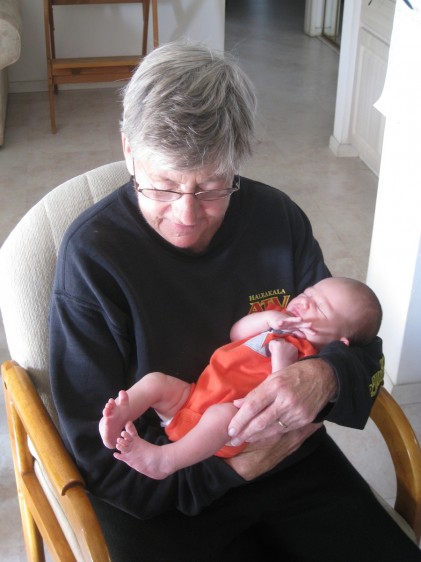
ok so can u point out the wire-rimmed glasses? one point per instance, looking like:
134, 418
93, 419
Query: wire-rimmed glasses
169, 195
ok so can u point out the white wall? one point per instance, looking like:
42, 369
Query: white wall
98, 30
381, 44
358, 128
313, 17
395, 259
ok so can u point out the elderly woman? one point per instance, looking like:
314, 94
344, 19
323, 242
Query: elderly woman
151, 279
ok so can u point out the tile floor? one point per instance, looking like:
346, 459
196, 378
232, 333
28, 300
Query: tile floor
296, 83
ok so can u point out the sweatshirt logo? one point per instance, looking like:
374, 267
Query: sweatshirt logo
276, 298
377, 379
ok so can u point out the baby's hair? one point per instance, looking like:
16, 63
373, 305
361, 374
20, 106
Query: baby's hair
368, 312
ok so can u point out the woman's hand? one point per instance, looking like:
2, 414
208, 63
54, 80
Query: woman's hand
293, 396
260, 457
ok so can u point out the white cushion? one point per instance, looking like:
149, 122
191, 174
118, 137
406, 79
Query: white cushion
10, 32
28, 262
55, 505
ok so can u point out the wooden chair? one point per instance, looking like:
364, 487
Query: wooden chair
55, 509
91, 69
54, 506
405, 451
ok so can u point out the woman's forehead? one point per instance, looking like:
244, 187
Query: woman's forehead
161, 169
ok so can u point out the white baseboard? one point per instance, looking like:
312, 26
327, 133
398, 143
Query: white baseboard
32, 86
42, 86
342, 150
403, 393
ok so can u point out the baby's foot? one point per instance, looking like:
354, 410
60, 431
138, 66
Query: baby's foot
126, 443
115, 416
144, 457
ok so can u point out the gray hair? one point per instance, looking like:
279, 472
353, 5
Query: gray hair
188, 107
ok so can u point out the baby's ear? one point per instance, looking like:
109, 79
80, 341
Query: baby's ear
345, 341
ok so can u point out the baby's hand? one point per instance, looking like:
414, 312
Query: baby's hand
278, 320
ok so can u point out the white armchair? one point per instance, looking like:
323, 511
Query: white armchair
55, 509
10, 45
54, 506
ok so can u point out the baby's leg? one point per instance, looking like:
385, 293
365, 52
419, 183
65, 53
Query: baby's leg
158, 462
155, 390
283, 354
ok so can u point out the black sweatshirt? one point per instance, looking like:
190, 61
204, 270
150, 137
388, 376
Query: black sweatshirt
125, 302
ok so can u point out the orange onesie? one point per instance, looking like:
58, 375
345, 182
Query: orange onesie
233, 371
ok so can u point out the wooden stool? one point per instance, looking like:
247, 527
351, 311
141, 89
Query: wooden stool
91, 69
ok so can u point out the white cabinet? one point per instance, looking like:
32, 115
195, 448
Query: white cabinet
367, 124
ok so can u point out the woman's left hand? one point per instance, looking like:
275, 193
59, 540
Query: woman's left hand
261, 456
286, 400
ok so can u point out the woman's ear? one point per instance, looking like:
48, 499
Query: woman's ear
345, 341
127, 152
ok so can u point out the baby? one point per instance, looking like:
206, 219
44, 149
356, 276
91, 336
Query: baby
196, 416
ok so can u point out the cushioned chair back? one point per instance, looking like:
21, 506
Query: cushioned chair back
28, 262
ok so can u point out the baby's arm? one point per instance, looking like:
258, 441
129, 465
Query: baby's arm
258, 322
283, 354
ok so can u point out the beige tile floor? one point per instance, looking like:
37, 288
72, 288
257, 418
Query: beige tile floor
296, 83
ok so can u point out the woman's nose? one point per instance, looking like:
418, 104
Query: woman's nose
186, 208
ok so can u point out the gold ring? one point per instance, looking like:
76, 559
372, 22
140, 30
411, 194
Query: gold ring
282, 424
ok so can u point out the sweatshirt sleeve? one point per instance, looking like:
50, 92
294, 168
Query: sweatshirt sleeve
89, 360
360, 373
359, 370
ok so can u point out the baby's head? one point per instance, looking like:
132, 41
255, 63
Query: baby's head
339, 308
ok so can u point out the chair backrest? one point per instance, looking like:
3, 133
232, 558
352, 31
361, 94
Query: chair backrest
27, 265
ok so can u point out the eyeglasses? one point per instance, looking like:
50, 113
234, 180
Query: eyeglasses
168, 195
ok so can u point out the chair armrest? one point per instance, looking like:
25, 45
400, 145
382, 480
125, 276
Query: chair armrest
405, 451
29, 419
41, 431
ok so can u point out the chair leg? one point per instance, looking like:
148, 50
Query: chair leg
155, 23
33, 540
51, 91
145, 6
51, 54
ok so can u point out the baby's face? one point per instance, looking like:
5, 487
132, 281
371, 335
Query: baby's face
326, 305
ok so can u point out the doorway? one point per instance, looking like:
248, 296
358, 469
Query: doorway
332, 21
